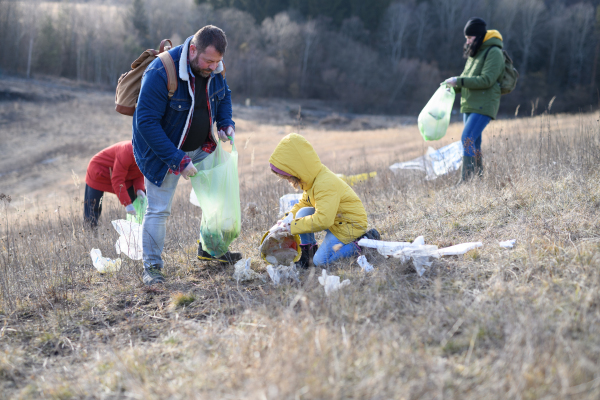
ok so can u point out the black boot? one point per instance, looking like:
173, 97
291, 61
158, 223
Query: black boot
228, 257
308, 251
468, 168
479, 165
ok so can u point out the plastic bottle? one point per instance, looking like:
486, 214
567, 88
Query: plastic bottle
103, 264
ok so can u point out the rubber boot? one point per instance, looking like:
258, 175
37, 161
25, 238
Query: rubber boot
479, 165
308, 251
468, 168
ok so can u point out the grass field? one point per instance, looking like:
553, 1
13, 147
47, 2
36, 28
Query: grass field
494, 323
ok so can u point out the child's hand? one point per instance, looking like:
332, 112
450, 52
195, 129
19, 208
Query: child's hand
280, 230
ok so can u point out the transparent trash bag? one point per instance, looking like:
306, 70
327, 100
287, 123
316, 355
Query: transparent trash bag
140, 206
217, 188
434, 119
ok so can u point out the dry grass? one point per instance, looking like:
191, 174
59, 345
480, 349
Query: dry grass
494, 323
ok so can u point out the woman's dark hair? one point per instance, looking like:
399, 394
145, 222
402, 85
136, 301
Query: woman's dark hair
469, 50
292, 179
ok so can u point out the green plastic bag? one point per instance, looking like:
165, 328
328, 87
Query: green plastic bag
217, 188
140, 210
434, 119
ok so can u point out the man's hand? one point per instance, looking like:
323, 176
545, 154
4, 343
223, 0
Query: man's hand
223, 134
189, 171
141, 194
130, 209
451, 81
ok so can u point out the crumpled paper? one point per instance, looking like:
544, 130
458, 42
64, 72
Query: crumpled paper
281, 274
331, 283
243, 272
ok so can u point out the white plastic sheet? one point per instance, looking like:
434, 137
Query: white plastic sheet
459, 249
331, 283
508, 244
243, 272
364, 264
287, 201
194, 198
435, 162
130, 239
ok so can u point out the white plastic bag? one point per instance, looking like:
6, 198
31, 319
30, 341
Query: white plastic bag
282, 274
331, 283
130, 238
103, 264
364, 264
508, 244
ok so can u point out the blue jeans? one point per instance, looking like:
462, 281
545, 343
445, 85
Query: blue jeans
325, 254
154, 226
471, 136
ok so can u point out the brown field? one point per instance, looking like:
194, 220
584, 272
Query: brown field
494, 323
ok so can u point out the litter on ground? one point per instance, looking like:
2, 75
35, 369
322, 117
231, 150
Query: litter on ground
287, 201
103, 264
331, 283
418, 252
508, 244
435, 162
130, 238
364, 264
283, 274
243, 272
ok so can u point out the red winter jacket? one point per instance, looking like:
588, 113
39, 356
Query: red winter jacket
114, 170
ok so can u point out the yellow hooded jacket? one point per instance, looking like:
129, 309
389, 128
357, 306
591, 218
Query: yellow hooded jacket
337, 207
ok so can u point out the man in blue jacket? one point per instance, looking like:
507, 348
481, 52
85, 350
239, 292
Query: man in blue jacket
171, 135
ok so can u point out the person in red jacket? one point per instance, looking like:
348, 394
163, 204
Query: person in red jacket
112, 170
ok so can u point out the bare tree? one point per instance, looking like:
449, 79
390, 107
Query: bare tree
531, 12
309, 35
396, 28
579, 30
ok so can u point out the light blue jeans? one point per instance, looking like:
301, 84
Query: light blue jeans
154, 226
471, 136
325, 254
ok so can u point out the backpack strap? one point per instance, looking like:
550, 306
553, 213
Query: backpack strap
169, 65
162, 45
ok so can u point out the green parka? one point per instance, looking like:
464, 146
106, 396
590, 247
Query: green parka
478, 83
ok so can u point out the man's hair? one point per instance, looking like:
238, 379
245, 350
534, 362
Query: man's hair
210, 35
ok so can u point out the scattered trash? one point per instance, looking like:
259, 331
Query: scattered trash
281, 274
130, 238
243, 272
364, 264
140, 206
508, 244
354, 179
435, 162
418, 252
434, 119
459, 249
287, 201
103, 264
331, 283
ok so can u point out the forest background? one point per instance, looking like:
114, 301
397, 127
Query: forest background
380, 56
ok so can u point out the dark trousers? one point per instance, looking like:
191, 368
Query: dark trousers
92, 204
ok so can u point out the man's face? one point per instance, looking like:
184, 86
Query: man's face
206, 62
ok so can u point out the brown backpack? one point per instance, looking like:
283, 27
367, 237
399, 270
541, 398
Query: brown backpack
128, 87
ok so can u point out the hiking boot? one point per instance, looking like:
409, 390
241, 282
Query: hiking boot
228, 257
479, 165
153, 275
468, 169
308, 252
372, 234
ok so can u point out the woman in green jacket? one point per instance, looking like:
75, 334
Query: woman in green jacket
480, 89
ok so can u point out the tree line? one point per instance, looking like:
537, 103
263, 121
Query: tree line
386, 58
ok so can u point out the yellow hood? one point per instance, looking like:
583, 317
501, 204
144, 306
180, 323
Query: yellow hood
296, 156
492, 34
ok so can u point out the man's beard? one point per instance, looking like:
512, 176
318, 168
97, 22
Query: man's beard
205, 73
